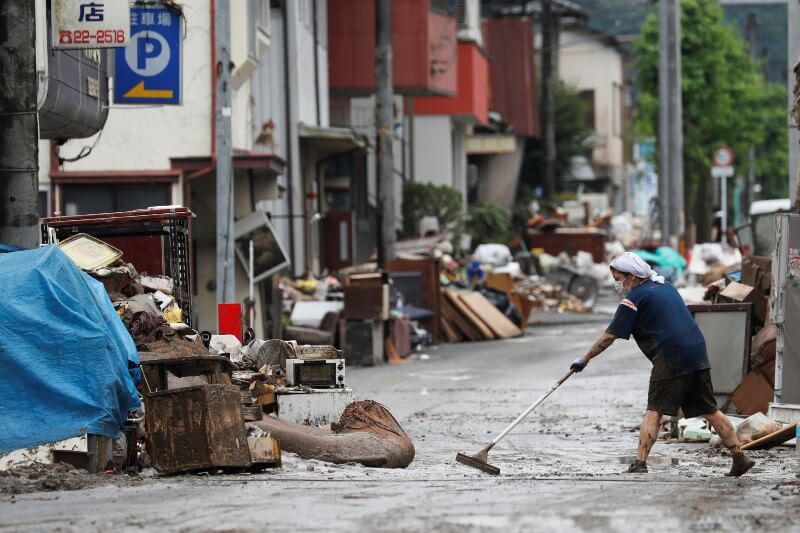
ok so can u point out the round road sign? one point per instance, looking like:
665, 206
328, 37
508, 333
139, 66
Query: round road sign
723, 157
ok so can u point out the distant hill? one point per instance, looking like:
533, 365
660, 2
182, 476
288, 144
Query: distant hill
625, 17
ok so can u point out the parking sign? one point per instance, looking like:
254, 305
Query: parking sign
148, 70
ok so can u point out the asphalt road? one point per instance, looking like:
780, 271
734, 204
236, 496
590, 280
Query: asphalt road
560, 469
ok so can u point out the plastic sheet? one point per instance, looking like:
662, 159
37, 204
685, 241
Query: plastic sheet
67, 364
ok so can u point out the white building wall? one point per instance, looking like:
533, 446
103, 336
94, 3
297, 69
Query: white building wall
144, 138
586, 62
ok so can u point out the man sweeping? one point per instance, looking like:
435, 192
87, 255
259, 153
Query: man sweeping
654, 313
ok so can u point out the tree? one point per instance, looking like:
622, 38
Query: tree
571, 132
725, 102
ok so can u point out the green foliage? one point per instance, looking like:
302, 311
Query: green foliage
489, 223
424, 199
725, 102
571, 132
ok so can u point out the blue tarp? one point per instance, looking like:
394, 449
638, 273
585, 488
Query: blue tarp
67, 363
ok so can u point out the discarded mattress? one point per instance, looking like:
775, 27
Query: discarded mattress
67, 364
366, 433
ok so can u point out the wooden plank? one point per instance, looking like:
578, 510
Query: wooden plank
450, 331
496, 321
502, 282
773, 439
469, 314
463, 325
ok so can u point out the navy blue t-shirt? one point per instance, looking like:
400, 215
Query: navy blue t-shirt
654, 313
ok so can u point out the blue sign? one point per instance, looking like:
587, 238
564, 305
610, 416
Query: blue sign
148, 70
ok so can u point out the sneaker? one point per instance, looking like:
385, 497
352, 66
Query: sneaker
741, 464
638, 467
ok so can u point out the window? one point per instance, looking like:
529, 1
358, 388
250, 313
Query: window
587, 97
258, 28
108, 198
44, 204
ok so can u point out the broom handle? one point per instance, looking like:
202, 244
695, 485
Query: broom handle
533, 406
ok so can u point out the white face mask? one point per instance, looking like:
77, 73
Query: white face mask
621, 289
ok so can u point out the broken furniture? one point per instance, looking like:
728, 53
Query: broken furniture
431, 298
196, 428
314, 322
726, 329
193, 413
362, 341
163, 372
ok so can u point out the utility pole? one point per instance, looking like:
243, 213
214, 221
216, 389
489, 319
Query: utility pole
792, 15
19, 127
750, 176
670, 179
224, 155
384, 124
547, 119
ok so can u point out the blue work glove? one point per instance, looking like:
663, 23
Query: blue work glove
578, 364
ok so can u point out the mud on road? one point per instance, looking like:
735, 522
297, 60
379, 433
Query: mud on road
560, 469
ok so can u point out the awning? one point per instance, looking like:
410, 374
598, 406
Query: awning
262, 164
328, 142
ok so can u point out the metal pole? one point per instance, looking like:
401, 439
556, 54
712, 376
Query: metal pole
384, 101
675, 123
548, 100
793, 29
251, 292
665, 161
19, 128
224, 151
723, 193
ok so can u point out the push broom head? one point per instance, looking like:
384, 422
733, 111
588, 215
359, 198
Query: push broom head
478, 461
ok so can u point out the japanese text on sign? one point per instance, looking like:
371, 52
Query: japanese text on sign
90, 23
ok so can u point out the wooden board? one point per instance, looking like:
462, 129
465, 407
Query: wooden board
502, 282
450, 332
469, 314
460, 322
773, 439
496, 321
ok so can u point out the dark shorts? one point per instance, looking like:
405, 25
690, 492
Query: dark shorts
693, 393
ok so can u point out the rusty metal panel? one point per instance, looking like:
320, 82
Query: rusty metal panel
196, 428
512, 73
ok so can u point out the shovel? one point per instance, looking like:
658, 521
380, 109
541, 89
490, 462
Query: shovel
479, 460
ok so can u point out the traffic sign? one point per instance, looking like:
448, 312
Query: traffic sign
148, 70
723, 157
721, 172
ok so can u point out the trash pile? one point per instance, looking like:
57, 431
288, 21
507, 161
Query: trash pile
201, 392
735, 323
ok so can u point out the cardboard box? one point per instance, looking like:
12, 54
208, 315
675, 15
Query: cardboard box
741, 293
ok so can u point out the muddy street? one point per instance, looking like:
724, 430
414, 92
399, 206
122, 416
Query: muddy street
561, 469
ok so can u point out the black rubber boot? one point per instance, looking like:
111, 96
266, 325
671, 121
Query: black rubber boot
638, 467
741, 464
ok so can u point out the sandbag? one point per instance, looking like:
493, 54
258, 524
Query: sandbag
366, 433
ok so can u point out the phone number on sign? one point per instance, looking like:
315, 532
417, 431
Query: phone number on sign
87, 37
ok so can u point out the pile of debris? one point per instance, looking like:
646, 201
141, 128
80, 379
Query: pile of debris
738, 333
